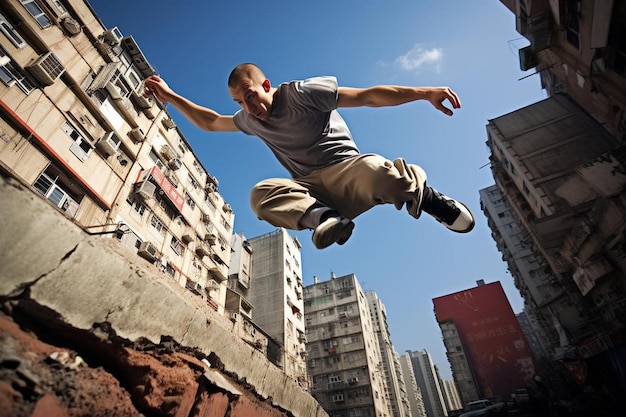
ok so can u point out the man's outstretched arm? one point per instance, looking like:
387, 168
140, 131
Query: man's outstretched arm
393, 95
204, 118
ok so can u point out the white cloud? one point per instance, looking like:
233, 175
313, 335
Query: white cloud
418, 59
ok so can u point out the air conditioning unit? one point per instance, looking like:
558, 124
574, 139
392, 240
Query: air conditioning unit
302, 339
144, 103
210, 238
148, 250
46, 69
109, 144
145, 189
227, 208
112, 36
137, 134
167, 153
234, 317
169, 123
212, 285
210, 188
175, 164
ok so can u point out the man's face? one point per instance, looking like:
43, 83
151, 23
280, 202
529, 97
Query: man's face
254, 97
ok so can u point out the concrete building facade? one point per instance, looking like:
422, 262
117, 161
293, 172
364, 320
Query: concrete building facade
276, 292
343, 356
577, 48
414, 394
490, 339
451, 396
562, 175
395, 391
427, 379
74, 124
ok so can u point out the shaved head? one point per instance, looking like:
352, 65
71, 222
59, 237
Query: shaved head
245, 71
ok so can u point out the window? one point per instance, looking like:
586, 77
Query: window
157, 224
47, 185
81, 147
177, 246
133, 79
157, 161
572, 22
10, 74
138, 208
59, 6
189, 201
194, 184
36, 12
11, 33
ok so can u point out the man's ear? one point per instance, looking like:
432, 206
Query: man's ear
267, 86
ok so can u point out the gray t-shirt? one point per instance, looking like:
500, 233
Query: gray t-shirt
304, 131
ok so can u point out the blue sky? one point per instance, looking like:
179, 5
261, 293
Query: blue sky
469, 46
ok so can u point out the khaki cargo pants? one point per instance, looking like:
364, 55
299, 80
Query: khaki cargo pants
351, 187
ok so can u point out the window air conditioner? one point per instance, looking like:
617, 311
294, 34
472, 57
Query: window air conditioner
146, 189
109, 144
147, 250
175, 164
46, 69
112, 36
227, 208
137, 134
169, 123
210, 188
167, 153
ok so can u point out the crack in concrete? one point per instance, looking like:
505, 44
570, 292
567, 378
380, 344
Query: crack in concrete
23, 289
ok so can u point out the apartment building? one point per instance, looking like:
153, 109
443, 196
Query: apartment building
488, 337
427, 379
414, 394
343, 356
451, 396
76, 128
562, 175
395, 391
577, 48
276, 292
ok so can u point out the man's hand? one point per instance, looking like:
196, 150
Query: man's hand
437, 95
157, 86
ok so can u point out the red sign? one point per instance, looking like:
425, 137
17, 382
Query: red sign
492, 339
168, 188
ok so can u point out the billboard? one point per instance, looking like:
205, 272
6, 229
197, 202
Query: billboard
493, 342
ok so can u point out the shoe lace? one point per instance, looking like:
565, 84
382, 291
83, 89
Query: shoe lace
442, 208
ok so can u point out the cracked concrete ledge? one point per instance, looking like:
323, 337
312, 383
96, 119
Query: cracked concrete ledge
46, 259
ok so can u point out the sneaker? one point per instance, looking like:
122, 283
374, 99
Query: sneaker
332, 230
453, 214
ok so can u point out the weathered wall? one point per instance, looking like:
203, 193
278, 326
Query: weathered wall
145, 341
